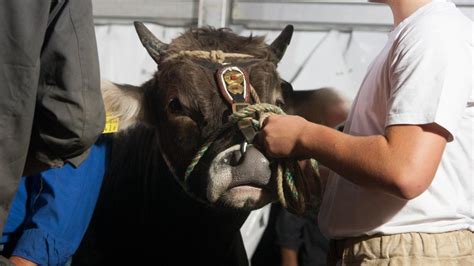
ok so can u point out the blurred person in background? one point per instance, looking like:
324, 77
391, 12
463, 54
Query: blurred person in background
300, 240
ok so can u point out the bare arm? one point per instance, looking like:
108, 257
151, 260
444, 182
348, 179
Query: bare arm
401, 162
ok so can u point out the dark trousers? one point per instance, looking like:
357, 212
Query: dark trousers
50, 102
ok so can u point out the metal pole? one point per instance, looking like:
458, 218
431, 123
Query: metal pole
214, 13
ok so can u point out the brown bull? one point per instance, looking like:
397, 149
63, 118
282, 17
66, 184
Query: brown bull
164, 122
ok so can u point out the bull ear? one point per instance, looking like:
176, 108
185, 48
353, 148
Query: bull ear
153, 45
123, 102
280, 44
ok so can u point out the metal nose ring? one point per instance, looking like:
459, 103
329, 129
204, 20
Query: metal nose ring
243, 148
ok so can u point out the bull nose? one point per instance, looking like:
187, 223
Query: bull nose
252, 165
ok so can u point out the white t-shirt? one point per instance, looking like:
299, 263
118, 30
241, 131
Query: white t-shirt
423, 75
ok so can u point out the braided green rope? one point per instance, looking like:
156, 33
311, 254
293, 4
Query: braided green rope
246, 113
199, 155
291, 183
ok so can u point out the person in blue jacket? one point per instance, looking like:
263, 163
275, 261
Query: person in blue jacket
51, 211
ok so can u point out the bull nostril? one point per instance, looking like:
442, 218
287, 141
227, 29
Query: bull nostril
236, 158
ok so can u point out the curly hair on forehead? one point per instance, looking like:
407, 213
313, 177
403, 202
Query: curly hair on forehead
224, 39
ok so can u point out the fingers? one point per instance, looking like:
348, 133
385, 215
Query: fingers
263, 143
266, 139
259, 140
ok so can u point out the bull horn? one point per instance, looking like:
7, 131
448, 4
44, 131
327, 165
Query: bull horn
280, 44
153, 46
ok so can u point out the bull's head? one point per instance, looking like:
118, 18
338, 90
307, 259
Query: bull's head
185, 104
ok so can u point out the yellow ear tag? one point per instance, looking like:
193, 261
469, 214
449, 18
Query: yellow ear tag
111, 124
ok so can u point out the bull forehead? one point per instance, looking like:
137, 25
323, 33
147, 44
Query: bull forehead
193, 81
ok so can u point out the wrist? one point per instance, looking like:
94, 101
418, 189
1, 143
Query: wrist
303, 140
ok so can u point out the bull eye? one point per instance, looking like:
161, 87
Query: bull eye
280, 103
175, 105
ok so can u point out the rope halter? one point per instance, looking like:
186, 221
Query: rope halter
216, 56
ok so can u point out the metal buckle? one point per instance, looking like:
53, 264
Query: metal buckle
238, 106
247, 129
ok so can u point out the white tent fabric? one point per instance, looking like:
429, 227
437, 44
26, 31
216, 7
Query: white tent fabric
325, 66
121, 55
313, 59
327, 59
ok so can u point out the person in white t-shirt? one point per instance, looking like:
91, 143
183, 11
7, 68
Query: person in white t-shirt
402, 190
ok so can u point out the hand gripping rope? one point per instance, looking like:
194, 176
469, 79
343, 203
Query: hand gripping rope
290, 178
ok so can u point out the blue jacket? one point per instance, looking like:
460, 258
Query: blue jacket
51, 210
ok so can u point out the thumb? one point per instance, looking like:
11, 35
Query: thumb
264, 119
258, 141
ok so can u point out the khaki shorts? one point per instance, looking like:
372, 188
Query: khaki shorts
450, 248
